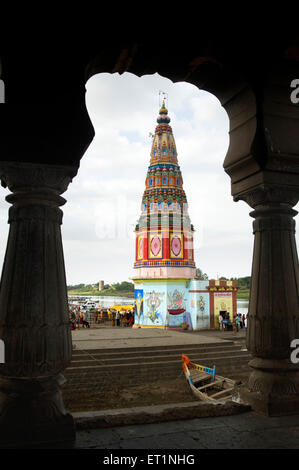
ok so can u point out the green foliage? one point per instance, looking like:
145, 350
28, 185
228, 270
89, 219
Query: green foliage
243, 294
243, 283
200, 275
120, 288
77, 286
124, 286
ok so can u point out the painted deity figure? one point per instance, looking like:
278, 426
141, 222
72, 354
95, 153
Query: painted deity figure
201, 304
153, 303
176, 299
139, 305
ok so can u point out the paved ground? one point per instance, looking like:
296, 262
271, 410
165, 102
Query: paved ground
244, 431
124, 337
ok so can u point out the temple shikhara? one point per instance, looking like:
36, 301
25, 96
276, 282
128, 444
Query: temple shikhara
167, 293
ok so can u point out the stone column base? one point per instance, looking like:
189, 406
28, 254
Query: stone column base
268, 405
32, 413
273, 390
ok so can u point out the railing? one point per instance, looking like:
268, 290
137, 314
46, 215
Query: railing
207, 370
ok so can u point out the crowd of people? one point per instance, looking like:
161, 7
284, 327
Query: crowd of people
80, 317
125, 318
239, 321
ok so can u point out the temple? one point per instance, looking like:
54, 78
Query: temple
167, 292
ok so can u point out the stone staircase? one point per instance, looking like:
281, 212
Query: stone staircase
100, 371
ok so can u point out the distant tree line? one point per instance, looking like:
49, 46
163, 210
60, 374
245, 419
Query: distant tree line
118, 286
201, 275
121, 286
243, 282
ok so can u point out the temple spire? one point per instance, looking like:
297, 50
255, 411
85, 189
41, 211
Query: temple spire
164, 240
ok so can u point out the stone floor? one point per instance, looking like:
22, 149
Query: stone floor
244, 431
123, 337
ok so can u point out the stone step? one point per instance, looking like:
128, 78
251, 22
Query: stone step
179, 349
187, 349
97, 372
197, 358
152, 362
116, 373
77, 349
116, 359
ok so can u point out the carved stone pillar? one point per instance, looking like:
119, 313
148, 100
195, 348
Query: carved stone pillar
33, 308
273, 386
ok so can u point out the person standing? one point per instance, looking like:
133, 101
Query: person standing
117, 318
220, 321
235, 325
237, 322
85, 322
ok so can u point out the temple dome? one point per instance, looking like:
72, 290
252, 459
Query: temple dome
163, 117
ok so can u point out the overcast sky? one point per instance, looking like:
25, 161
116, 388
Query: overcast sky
104, 199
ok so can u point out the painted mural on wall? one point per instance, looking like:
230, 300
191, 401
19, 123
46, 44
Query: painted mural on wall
201, 305
199, 310
176, 303
202, 311
138, 305
176, 307
153, 315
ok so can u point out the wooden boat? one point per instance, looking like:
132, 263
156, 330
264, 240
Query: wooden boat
204, 383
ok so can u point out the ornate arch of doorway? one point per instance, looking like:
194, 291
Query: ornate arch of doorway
44, 134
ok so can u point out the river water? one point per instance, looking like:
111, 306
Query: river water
106, 301
242, 305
